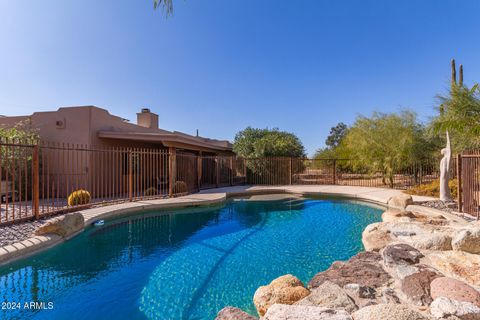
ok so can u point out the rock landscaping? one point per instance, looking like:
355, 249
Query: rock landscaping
416, 266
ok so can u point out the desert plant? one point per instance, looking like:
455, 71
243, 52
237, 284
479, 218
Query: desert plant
432, 189
180, 187
152, 191
79, 197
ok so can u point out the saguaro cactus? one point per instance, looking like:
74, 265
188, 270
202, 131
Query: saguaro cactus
454, 73
460, 76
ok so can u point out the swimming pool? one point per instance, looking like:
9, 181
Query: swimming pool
184, 263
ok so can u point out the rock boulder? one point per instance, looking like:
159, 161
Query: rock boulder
400, 201
65, 226
232, 313
364, 269
388, 311
444, 308
455, 290
329, 295
416, 287
299, 312
457, 264
401, 254
286, 289
467, 240
376, 236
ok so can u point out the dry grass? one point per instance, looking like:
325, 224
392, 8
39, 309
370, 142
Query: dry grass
433, 189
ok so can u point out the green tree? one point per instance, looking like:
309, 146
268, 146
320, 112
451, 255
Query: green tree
257, 143
387, 142
459, 113
20, 133
336, 135
16, 161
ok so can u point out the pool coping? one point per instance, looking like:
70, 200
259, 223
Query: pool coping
36, 244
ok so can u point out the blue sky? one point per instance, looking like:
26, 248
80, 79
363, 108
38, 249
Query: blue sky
219, 65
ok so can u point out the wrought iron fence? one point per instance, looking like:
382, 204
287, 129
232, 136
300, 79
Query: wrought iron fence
469, 182
36, 179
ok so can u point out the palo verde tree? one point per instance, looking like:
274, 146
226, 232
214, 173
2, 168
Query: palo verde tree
386, 142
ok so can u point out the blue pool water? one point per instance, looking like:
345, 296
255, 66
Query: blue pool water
184, 264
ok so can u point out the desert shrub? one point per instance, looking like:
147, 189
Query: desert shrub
79, 197
180, 187
433, 189
152, 191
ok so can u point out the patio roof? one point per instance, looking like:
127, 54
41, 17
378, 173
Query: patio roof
170, 139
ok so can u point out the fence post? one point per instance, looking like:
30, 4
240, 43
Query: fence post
172, 168
130, 176
334, 173
199, 170
290, 171
35, 182
459, 183
231, 170
217, 172
245, 170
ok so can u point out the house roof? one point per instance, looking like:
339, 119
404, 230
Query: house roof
169, 139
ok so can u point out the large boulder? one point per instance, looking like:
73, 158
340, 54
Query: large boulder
65, 226
397, 215
467, 240
388, 311
457, 264
364, 269
440, 241
300, 312
286, 289
401, 254
455, 290
444, 308
416, 287
400, 201
232, 313
329, 295
376, 236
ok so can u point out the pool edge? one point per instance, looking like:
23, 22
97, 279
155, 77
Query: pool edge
36, 244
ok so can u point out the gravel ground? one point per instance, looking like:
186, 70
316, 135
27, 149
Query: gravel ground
437, 204
18, 232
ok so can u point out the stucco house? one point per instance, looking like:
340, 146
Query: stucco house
94, 126
75, 155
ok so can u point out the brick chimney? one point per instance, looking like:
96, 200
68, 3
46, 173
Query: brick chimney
147, 119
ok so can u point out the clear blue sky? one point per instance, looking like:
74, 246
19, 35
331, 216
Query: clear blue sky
219, 65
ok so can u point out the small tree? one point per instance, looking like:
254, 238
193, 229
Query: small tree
459, 113
385, 142
257, 144
16, 159
336, 135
